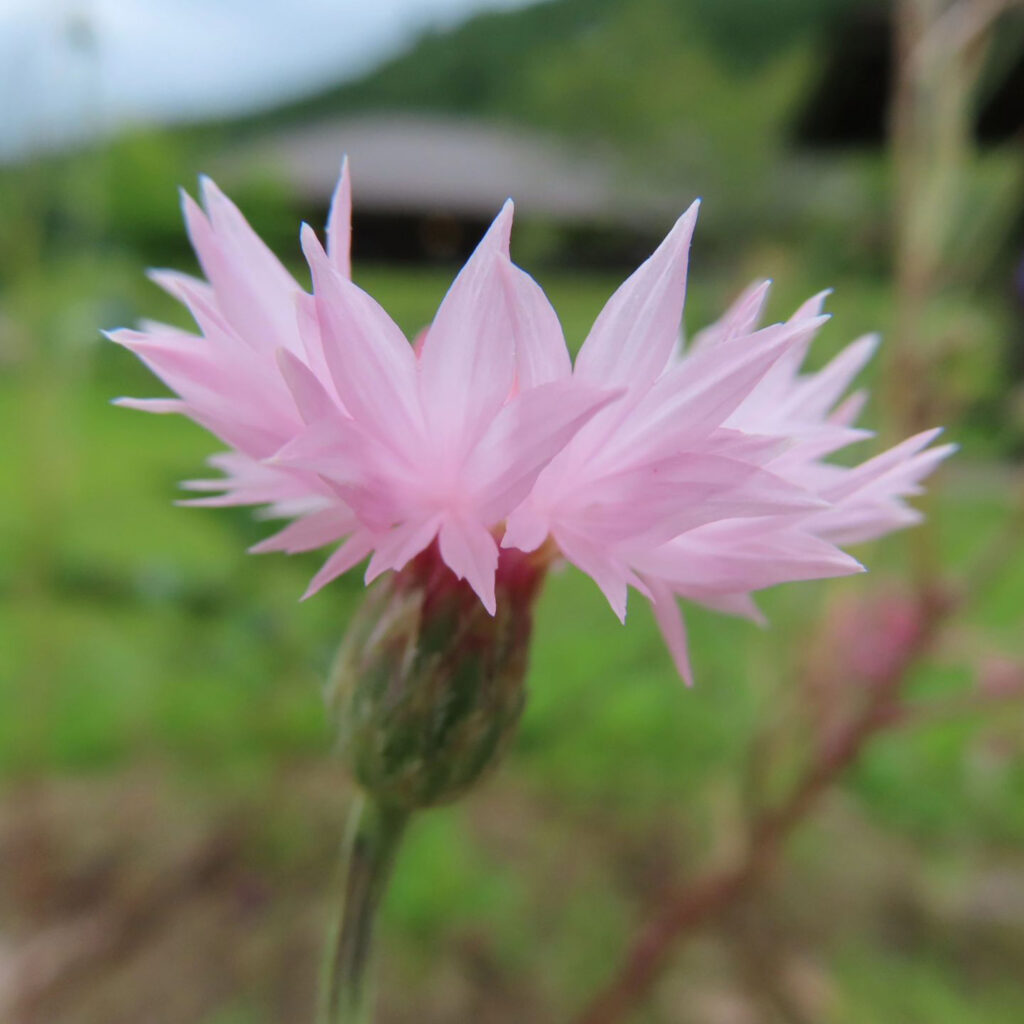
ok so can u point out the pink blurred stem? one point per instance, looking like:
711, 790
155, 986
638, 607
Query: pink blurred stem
705, 898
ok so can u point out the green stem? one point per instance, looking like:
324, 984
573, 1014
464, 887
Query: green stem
371, 843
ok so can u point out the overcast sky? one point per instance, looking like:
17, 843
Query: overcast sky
71, 66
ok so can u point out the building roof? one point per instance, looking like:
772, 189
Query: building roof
409, 163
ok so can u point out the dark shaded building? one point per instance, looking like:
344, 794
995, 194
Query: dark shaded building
426, 187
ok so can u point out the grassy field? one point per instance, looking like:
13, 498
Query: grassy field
163, 746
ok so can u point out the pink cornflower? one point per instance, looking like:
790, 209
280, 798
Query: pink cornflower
696, 474
706, 481
809, 413
333, 417
228, 376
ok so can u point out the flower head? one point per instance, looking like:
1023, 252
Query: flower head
707, 480
698, 472
333, 417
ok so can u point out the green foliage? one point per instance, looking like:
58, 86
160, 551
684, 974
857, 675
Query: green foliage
135, 634
748, 33
641, 75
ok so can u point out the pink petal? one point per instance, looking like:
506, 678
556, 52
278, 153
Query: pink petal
310, 532
196, 295
400, 545
741, 318
371, 363
237, 399
467, 366
155, 405
819, 393
612, 575
740, 556
892, 460
740, 605
311, 399
541, 353
855, 522
785, 370
812, 307
669, 617
470, 551
525, 529
632, 338
848, 412
525, 435
339, 224
312, 354
350, 554
648, 505
254, 291
699, 394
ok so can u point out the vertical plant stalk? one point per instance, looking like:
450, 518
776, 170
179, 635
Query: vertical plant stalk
426, 693
940, 48
371, 843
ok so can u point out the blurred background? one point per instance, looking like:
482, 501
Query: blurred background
169, 811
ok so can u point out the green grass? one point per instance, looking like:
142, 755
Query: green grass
135, 634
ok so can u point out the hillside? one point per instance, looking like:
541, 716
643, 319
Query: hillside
685, 85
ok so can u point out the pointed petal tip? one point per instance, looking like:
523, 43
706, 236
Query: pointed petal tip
209, 191
687, 220
374, 569
812, 306
190, 207
319, 581
165, 278
925, 437
311, 247
499, 234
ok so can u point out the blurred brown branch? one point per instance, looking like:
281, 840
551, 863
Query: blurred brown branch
706, 897
912, 632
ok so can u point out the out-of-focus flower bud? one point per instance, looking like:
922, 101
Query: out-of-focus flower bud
428, 688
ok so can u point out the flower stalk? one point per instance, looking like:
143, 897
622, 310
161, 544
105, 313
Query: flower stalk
371, 844
426, 693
